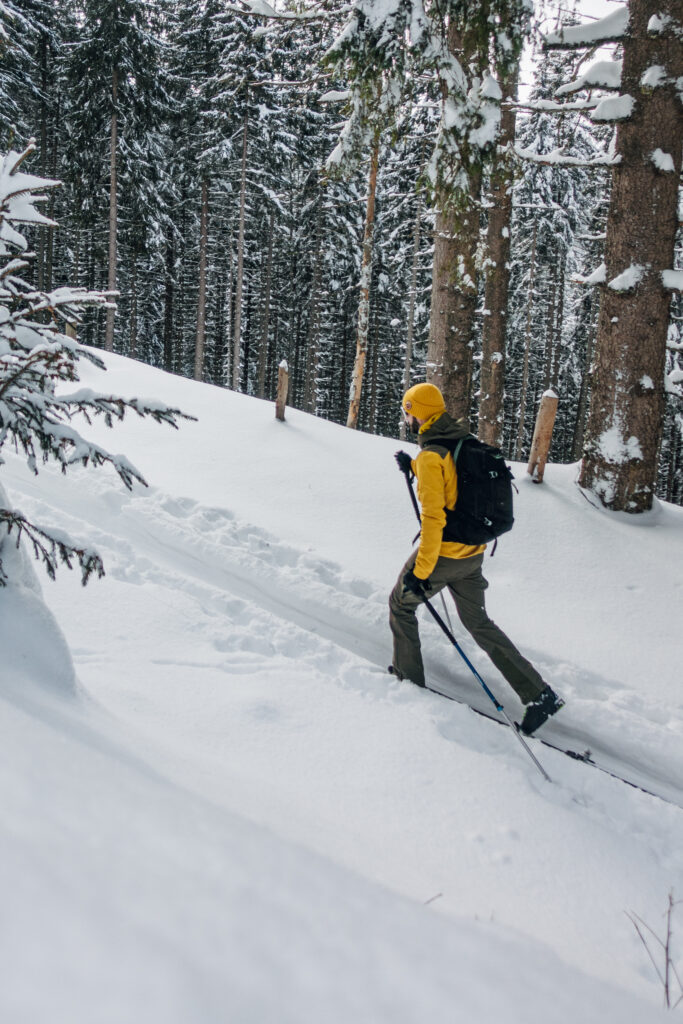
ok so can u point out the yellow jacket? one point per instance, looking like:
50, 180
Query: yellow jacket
437, 490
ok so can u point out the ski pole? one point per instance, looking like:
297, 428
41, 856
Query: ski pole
494, 700
417, 513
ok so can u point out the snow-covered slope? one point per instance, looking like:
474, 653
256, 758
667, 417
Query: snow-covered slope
235, 815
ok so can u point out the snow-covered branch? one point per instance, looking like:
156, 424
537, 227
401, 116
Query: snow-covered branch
262, 9
50, 546
558, 157
604, 74
606, 30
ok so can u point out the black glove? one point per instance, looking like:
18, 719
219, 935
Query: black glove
404, 462
415, 585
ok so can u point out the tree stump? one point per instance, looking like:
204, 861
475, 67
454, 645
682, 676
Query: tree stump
282, 389
543, 433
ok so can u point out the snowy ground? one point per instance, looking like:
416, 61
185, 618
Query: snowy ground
225, 810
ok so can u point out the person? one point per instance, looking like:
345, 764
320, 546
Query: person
436, 564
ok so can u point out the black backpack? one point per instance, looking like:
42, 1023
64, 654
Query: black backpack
483, 510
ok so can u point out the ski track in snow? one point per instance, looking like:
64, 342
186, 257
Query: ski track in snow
262, 598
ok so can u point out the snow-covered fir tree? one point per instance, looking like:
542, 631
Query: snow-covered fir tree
39, 359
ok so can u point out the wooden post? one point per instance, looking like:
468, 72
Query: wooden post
543, 432
282, 389
70, 330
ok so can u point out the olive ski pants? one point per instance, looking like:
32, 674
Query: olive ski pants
464, 579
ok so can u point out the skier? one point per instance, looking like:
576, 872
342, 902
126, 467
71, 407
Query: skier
436, 564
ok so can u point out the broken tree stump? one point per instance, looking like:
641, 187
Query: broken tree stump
282, 389
543, 433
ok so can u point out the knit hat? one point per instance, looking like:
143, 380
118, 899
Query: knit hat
423, 401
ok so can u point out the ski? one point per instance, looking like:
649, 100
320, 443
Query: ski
585, 757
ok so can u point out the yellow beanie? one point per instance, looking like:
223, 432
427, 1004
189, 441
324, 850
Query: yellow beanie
423, 401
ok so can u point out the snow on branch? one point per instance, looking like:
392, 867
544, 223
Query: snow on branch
614, 108
559, 158
664, 24
262, 9
673, 280
50, 546
606, 30
604, 74
599, 276
553, 107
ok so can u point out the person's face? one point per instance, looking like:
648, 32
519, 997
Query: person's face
411, 423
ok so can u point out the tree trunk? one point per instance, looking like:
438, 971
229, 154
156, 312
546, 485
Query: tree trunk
559, 324
492, 388
627, 399
313, 343
228, 313
580, 424
201, 301
454, 278
410, 332
168, 299
527, 346
364, 303
133, 344
237, 329
42, 240
113, 146
265, 317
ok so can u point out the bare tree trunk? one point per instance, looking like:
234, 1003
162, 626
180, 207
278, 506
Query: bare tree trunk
580, 424
169, 276
493, 340
627, 399
313, 344
133, 344
50, 231
410, 332
42, 240
201, 301
237, 328
113, 146
228, 313
527, 345
551, 316
559, 323
364, 304
265, 316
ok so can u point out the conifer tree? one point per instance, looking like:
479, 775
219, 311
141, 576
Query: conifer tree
37, 357
627, 401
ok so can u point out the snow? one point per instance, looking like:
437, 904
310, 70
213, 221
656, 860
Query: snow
613, 26
219, 807
605, 74
598, 276
615, 448
614, 108
662, 161
654, 77
673, 279
628, 279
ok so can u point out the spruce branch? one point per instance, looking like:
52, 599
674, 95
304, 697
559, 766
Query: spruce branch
49, 546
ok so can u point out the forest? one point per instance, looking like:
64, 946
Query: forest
482, 194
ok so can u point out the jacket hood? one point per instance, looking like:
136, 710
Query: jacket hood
443, 429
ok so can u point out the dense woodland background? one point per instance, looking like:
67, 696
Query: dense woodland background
192, 141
